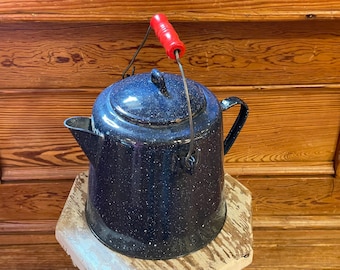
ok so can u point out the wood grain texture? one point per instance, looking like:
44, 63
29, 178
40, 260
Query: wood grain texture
287, 196
103, 10
47, 173
286, 168
66, 55
26, 238
32, 201
284, 122
32, 131
285, 127
272, 196
296, 249
34, 256
284, 222
18, 174
27, 226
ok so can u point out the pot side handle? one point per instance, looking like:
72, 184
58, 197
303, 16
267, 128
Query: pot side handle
239, 122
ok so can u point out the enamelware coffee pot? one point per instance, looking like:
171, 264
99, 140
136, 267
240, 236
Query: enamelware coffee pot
155, 146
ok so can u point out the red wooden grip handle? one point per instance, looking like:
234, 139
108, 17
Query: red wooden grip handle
167, 35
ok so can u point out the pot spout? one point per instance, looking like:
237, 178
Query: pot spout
88, 140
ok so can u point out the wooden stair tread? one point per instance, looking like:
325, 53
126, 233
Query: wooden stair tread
296, 223
274, 197
296, 249
273, 249
137, 11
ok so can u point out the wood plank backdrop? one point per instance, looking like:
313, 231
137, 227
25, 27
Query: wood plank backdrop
281, 58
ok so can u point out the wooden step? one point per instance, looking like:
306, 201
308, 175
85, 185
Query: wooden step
281, 136
102, 10
90, 55
278, 202
296, 223
273, 249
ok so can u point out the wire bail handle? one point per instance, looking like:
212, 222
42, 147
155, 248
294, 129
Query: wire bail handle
175, 49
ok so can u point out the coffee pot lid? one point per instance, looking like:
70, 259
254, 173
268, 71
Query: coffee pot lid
155, 98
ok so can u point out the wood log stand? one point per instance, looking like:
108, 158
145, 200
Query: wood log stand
231, 249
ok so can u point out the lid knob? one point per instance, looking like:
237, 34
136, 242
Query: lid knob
158, 79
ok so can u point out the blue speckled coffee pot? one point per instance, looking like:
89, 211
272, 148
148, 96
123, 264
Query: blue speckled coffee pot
145, 199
